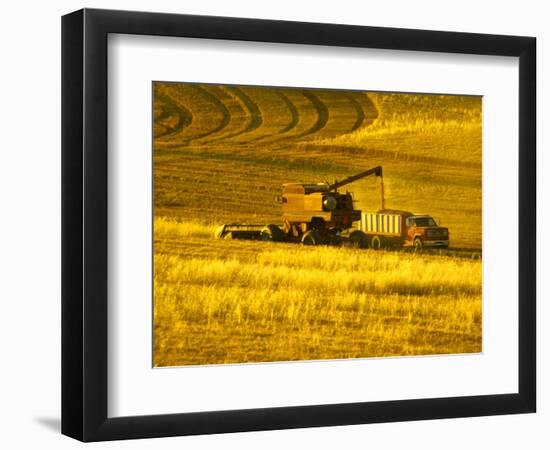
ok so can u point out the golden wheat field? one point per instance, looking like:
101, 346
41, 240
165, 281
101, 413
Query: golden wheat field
221, 154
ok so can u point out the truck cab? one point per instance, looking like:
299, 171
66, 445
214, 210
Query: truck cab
422, 230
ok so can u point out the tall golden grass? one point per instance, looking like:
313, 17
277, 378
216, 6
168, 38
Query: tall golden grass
291, 302
422, 125
172, 228
417, 114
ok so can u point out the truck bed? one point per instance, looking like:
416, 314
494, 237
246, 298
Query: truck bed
384, 224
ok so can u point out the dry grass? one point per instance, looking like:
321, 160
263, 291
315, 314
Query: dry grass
169, 228
289, 302
423, 125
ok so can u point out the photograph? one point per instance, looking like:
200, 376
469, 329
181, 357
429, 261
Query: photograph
266, 225
302, 224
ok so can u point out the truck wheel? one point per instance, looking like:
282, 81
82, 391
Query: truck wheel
376, 243
417, 244
357, 239
312, 237
271, 233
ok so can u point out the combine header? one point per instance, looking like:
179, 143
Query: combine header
313, 214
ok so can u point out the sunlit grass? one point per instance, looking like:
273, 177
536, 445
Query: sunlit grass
170, 227
428, 125
371, 303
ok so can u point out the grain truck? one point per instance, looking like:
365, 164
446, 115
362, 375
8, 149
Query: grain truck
396, 228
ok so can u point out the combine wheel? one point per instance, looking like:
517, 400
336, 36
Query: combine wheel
312, 237
376, 243
358, 239
272, 233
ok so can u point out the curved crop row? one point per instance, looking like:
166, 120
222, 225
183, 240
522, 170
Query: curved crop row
203, 114
206, 114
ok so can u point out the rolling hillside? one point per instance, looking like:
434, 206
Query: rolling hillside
218, 146
221, 154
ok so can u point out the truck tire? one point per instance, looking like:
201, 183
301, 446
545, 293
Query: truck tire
357, 239
271, 233
376, 243
312, 237
417, 245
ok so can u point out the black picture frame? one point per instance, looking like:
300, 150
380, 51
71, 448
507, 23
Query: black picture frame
84, 224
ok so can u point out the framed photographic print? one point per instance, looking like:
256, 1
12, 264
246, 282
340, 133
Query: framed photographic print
273, 225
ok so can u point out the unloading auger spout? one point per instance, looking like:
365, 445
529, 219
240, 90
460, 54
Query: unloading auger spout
377, 171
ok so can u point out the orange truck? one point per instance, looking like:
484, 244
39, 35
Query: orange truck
396, 228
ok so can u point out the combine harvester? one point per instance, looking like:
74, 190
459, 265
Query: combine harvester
317, 214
